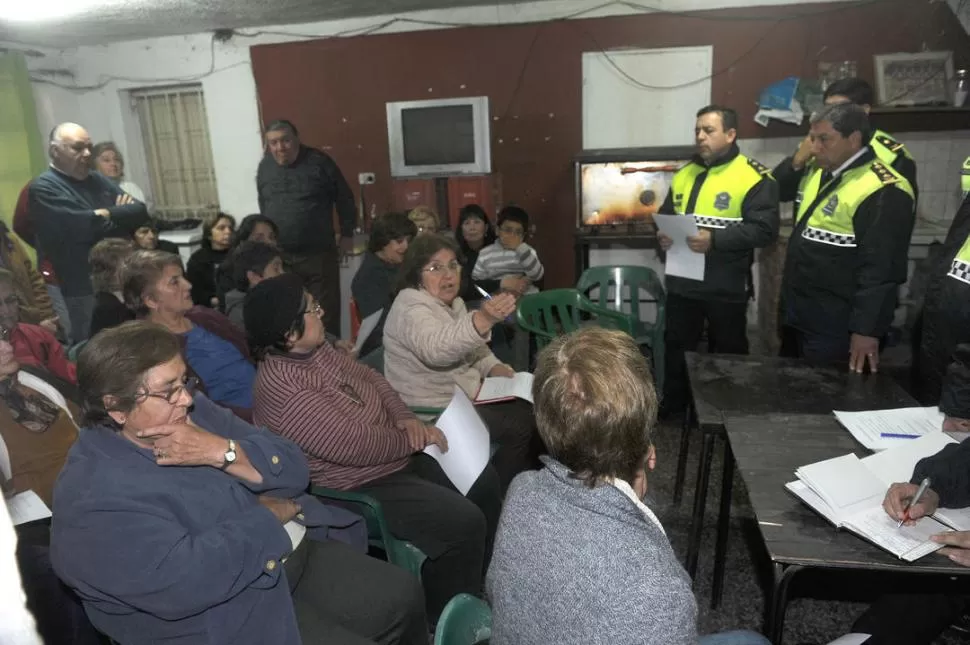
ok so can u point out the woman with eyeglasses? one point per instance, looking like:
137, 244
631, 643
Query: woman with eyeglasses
432, 343
215, 350
177, 522
358, 435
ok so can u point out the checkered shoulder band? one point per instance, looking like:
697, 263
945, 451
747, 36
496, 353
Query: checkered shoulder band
828, 237
960, 269
710, 221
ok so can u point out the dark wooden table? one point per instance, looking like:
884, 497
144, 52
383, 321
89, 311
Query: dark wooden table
768, 449
723, 385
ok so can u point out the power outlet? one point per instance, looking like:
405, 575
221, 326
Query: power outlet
366, 178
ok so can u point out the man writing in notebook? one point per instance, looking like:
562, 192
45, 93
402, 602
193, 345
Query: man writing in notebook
918, 619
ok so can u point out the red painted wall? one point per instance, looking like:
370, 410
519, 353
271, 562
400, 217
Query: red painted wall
335, 89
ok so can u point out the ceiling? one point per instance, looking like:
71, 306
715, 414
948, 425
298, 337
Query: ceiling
118, 20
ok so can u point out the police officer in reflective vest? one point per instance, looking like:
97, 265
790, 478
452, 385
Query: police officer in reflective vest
889, 151
946, 305
847, 254
734, 201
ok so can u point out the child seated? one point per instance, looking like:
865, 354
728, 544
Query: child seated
510, 258
251, 263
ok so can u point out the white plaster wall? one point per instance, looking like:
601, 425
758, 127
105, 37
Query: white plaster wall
230, 91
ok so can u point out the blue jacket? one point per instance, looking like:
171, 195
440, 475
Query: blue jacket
184, 555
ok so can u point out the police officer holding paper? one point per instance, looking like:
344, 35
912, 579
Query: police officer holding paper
847, 254
734, 201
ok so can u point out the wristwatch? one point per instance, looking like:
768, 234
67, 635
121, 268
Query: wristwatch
229, 458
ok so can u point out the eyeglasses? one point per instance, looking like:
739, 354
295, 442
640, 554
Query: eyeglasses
441, 269
509, 230
172, 395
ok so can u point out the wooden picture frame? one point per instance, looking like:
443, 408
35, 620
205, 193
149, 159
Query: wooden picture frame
913, 79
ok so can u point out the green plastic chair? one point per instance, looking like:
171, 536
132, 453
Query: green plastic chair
548, 314
398, 552
609, 281
465, 620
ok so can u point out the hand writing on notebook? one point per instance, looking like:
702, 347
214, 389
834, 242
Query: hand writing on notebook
898, 497
959, 546
502, 370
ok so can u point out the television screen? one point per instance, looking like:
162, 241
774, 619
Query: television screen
621, 192
438, 135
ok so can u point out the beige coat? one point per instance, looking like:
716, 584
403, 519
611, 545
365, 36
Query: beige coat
429, 347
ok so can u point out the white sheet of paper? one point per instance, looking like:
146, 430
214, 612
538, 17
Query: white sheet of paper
681, 261
5, 472
469, 444
367, 326
851, 639
896, 464
499, 387
844, 483
906, 542
867, 426
27, 507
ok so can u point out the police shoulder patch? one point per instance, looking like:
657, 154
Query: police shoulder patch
759, 167
890, 143
885, 175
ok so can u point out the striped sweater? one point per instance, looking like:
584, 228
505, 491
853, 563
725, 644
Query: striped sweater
495, 262
342, 414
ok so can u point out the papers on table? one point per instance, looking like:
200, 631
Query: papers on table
27, 507
501, 388
681, 261
469, 445
849, 491
367, 327
869, 426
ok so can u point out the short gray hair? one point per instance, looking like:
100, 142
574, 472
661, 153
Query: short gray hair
845, 118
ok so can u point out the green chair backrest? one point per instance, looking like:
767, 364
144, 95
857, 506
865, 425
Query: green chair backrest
560, 311
465, 620
609, 282
75, 351
398, 552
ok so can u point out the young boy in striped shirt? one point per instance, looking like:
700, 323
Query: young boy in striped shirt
510, 256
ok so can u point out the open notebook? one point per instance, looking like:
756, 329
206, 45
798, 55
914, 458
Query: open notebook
500, 388
849, 491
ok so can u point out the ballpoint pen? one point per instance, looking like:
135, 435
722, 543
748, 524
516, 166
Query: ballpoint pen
914, 501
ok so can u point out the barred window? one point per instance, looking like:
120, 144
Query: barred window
176, 138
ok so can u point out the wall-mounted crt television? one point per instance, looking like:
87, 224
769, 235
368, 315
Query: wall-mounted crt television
439, 137
625, 186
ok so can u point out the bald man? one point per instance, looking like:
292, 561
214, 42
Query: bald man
71, 208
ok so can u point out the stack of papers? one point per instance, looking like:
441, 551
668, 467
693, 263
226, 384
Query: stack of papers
882, 429
848, 492
500, 388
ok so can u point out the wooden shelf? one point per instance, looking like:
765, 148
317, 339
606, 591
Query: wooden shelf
920, 118
917, 109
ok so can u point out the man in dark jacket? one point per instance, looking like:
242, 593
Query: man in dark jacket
847, 254
920, 618
71, 208
298, 189
944, 322
734, 201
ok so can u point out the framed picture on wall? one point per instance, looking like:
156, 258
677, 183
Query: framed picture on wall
913, 79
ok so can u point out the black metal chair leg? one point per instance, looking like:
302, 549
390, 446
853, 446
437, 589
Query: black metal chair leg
723, 526
700, 501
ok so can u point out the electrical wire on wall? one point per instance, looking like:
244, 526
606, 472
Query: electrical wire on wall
637, 7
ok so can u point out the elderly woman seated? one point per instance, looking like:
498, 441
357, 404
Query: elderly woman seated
32, 344
358, 435
432, 343
177, 522
579, 558
216, 352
